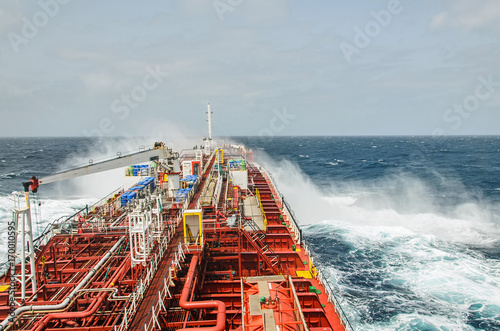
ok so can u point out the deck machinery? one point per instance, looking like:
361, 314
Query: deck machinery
203, 241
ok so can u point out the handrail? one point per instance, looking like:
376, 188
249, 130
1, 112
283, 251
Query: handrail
286, 207
163, 292
259, 235
298, 235
49, 227
143, 283
291, 215
297, 302
69, 297
97, 204
318, 274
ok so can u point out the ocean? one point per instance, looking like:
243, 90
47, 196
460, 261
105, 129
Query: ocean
407, 229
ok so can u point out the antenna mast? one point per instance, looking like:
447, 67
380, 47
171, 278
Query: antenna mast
208, 141
209, 122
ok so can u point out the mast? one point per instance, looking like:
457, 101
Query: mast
209, 122
208, 141
22, 225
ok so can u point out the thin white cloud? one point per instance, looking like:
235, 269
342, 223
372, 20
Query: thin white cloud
263, 55
195, 7
10, 19
99, 83
79, 55
265, 11
483, 15
16, 91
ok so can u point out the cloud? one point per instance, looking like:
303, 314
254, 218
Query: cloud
79, 55
262, 55
478, 16
195, 8
266, 12
98, 83
9, 17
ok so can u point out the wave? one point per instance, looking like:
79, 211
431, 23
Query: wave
398, 200
401, 258
390, 278
43, 214
10, 175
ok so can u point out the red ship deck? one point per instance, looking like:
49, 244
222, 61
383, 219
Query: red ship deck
238, 272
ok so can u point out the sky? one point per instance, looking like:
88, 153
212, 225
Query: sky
282, 67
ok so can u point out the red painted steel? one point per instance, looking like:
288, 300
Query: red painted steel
184, 303
203, 294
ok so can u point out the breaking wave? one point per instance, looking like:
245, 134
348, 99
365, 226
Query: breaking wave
400, 258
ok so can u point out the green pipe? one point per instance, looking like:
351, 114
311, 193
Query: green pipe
106, 275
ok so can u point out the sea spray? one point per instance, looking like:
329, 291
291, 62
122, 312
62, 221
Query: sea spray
410, 244
391, 278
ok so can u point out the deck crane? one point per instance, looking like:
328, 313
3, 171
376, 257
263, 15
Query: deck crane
156, 154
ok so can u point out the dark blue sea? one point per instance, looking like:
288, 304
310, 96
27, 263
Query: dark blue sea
406, 228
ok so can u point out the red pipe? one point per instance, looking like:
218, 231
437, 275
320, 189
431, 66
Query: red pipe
70, 323
184, 303
90, 310
218, 213
42, 324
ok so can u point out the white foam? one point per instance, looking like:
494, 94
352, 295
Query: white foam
48, 211
443, 280
416, 246
101, 184
398, 200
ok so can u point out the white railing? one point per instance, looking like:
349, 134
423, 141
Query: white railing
152, 322
316, 273
293, 223
19, 200
55, 227
103, 201
144, 282
274, 187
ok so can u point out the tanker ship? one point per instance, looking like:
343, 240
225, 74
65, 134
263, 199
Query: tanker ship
198, 239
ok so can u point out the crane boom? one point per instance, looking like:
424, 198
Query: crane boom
118, 162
